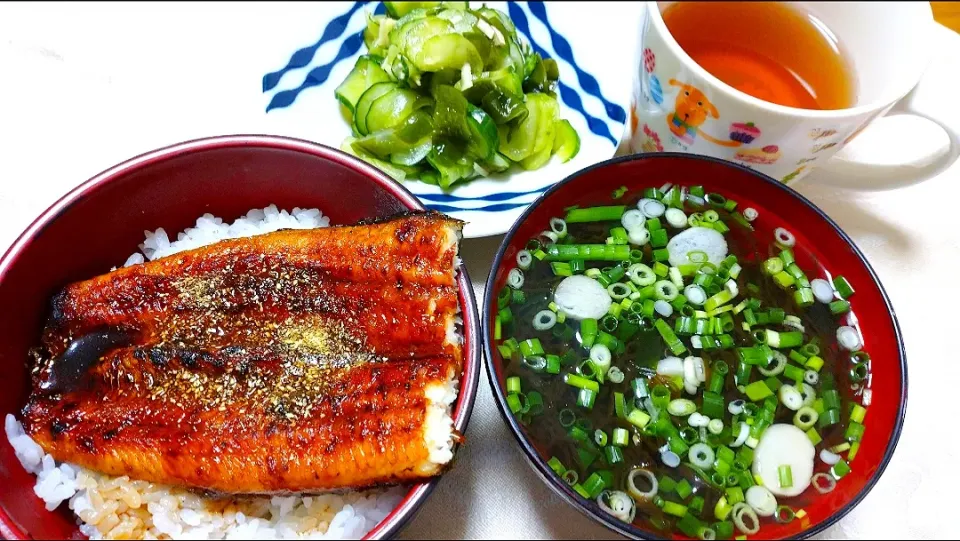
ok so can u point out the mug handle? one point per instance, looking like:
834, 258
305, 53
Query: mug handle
933, 98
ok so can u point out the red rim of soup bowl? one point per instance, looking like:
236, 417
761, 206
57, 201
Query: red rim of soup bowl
875, 313
394, 195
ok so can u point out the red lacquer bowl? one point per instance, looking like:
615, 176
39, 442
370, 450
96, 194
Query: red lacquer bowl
101, 222
778, 205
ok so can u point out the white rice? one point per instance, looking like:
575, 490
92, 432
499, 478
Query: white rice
121, 508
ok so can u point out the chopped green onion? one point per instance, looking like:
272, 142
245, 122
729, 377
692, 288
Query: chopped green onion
858, 413
588, 332
567, 418
513, 402
600, 437
669, 337
783, 279
843, 287
772, 266
805, 418
513, 384
594, 485
839, 307
803, 297
684, 489
785, 476
621, 437
752, 356
854, 432
581, 382
713, 405
595, 214
674, 509
829, 417
667, 485
553, 364
724, 529
561, 268
814, 363
620, 405
638, 418
658, 238
814, 437
614, 455
588, 252
757, 391
586, 398
784, 515
535, 403
735, 495
840, 469
556, 466
854, 449
722, 509
531, 347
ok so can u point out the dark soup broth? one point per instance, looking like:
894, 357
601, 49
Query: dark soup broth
687, 372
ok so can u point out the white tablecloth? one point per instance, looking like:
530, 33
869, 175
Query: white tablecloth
60, 124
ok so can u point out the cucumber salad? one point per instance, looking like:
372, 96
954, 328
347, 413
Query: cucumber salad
447, 93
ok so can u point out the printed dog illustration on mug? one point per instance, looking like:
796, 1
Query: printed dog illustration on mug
691, 110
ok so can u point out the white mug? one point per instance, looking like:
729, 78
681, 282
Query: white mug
890, 48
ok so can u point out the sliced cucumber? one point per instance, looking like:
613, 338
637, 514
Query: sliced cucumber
393, 108
566, 145
548, 112
495, 164
388, 168
483, 138
451, 163
462, 21
503, 106
447, 51
412, 156
536, 160
525, 138
366, 101
399, 9
413, 35
506, 80
414, 131
366, 72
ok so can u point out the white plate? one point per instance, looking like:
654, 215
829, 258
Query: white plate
488, 205
206, 69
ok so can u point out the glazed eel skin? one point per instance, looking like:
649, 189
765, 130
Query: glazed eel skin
294, 361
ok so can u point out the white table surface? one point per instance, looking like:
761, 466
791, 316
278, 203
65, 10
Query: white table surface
61, 122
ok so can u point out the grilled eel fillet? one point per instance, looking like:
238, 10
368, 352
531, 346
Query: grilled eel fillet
295, 361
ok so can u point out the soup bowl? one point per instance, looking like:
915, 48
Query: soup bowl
98, 224
818, 240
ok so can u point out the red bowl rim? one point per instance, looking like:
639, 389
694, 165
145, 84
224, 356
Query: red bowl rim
407, 508
539, 464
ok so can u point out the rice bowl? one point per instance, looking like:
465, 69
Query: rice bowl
121, 508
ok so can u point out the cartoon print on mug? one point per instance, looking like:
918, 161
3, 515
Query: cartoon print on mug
804, 161
650, 141
691, 110
766, 155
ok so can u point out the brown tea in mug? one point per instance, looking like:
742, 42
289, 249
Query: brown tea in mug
771, 50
